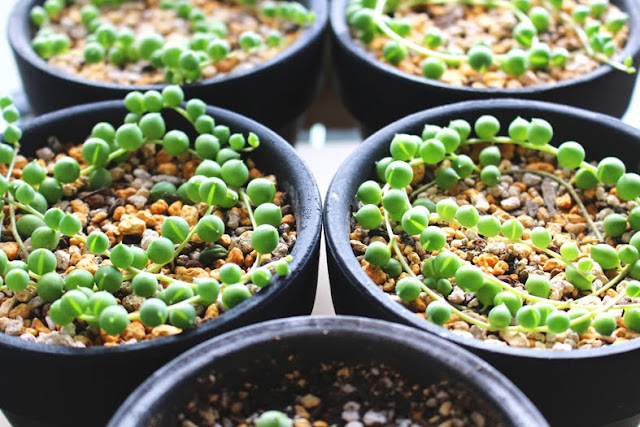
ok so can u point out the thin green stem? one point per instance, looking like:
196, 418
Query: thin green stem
422, 188
570, 190
183, 113
115, 154
14, 229
247, 205
613, 281
179, 249
133, 271
584, 40
432, 294
16, 149
379, 20
247, 276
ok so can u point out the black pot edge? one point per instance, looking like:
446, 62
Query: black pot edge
346, 262
518, 407
20, 42
342, 36
309, 245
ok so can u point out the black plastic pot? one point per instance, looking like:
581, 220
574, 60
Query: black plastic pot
421, 357
580, 387
275, 92
377, 93
72, 386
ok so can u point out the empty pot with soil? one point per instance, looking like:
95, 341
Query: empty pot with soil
238, 55
327, 371
423, 54
488, 224
125, 243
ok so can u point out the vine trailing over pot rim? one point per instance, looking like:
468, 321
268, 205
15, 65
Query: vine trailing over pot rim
182, 60
595, 25
221, 180
518, 309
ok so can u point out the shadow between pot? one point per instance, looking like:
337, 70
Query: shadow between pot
71, 386
557, 382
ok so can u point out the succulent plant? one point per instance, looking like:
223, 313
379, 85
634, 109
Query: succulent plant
221, 180
594, 25
391, 208
182, 61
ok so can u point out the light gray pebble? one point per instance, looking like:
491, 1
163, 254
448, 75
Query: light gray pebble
470, 235
360, 247
137, 200
69, 329
233, 219
281, 250
480, 202
514, 191
530, 179
243, 242
45, 153
36, 302
55, 338
148, 236
6, 306
167, 178
142, 174
63, 258
561, 347
613, 200
29, 337
506, 179
142, 183
348, 388
510, 203
132, 302
11, 327
456, 296
372, 418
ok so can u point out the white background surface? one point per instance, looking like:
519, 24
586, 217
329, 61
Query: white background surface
323, 160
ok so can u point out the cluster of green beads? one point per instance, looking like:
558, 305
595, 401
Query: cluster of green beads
220, 180
594, 24
181, 61
392, 208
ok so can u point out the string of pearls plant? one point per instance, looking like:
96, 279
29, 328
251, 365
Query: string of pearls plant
392, 209
220, 181
594, 25
182, 61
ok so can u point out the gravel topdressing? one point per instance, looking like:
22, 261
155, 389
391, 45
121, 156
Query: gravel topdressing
125, 213
337, 393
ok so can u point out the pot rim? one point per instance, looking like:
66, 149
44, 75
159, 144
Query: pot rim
341, 33
307, 239
337, 237
504, 394
20, 42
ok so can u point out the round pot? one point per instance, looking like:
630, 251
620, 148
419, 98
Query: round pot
557, 382
313, 340
115, 371
377, 93
275, 92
